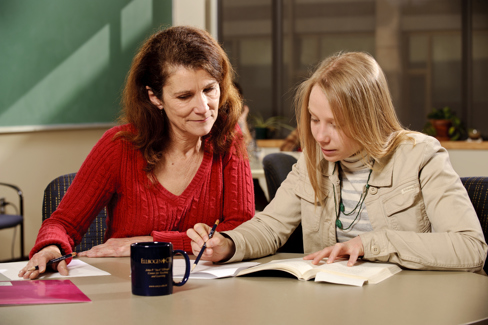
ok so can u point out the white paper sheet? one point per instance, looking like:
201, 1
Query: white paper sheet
76, 268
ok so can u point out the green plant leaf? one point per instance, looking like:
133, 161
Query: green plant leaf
272, 123
455, 131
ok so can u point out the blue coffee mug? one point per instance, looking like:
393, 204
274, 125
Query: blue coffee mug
151, 266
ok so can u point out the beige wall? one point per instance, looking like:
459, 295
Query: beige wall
198, 13
30, 161
469, 162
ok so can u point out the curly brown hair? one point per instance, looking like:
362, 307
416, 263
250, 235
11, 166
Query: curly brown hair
157, 58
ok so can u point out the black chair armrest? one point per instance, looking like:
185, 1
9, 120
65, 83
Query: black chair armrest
20, 194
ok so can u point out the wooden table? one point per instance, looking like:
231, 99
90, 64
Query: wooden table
410, 297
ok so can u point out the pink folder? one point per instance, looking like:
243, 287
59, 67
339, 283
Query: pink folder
40, 292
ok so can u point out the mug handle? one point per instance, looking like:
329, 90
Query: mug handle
187, 270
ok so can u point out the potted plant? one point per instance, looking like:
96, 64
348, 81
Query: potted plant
262, 127
444, 124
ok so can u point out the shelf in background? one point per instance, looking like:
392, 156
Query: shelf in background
459, 145
269, 143
465, 145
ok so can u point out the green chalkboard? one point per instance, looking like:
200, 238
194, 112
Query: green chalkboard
64, 62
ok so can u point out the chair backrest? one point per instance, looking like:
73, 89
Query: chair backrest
276, 167
53, 194
477, 188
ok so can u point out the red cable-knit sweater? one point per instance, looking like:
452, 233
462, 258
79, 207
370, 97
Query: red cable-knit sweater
112, 175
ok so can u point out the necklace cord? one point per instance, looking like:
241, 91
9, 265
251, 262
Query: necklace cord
341, 205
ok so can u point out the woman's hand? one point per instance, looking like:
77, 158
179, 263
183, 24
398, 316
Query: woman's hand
352, 248
40, 259
219, 248
114, 247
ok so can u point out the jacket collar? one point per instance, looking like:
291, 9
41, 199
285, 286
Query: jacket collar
326, 168
380, 177
382, 172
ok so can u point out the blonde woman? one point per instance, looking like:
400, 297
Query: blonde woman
364, 188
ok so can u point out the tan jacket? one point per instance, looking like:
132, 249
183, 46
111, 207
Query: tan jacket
421, 214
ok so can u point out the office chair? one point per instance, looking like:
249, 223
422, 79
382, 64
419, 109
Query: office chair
276, 167
13, 220
477, 188
53, 194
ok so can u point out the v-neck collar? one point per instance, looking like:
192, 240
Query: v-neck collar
202, 170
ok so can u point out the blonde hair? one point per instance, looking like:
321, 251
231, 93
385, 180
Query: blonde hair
358, 95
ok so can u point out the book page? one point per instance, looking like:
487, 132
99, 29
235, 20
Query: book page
296, 266
208, 270
362, 270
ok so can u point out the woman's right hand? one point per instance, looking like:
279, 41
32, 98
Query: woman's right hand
219, 248
40, 259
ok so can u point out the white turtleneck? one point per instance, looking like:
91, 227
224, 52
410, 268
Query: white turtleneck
354, 174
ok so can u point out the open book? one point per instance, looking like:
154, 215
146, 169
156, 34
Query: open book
338, 272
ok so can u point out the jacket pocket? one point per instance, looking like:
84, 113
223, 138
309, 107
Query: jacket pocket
310, 211
405, 208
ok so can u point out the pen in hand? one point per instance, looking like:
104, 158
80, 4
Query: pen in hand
55, 260
205, 244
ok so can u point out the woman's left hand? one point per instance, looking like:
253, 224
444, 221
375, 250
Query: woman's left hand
352, 248
114, 247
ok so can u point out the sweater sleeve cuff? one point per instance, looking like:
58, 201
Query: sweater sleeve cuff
179, 240
63, 247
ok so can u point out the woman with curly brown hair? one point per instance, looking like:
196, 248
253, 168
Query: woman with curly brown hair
178, 158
